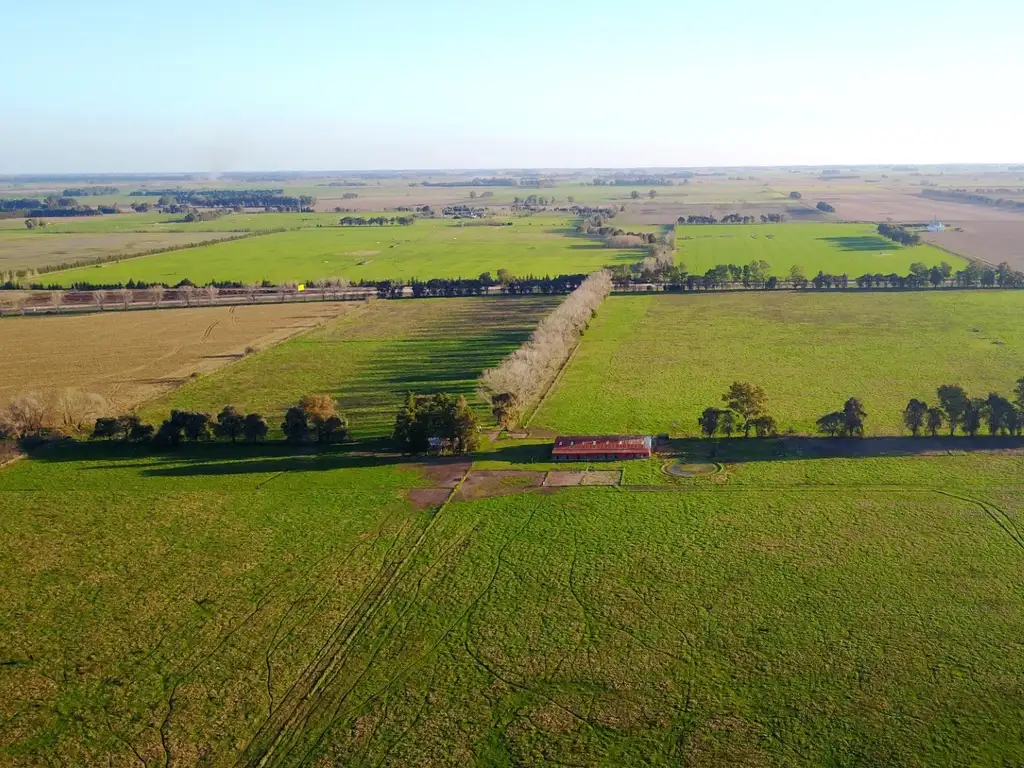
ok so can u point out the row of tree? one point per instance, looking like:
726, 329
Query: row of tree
732, 218
899, 234
745, 411
90, 191
316, 417
377, 221
957, 410
229, 198
521, 377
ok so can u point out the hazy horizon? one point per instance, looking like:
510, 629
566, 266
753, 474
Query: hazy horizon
250, 86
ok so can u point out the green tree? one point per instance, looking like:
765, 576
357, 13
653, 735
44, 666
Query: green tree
935, 419
708, 421
322, 413
140, 432
727, 423
104, 429
652, 194
295, 425
919, 269
230, 423
254, 427
747, 400
914, 415
438, 421
954, 402
997, 414
831, 424
853, 418
972, 416
196, 426
764, 426
635, 195
126, 423
1018, 393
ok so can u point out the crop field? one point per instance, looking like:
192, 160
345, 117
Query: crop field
429, 248
31, 250
652, 364
831, 248
370, 358
164, 222
130, 357
253, 607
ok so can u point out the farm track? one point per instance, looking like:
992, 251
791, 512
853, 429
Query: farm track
301, 714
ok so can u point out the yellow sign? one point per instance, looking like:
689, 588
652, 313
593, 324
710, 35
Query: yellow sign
302, 286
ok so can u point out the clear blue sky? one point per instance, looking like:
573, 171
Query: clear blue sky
229, 85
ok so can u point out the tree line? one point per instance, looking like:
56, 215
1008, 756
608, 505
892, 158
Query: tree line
732, 218
957, 410
230, 198
520, 378
899, 234
377, 221
746, 411
90, 191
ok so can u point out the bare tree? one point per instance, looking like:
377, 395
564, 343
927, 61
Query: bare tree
156, 295
75, 411
211, 294
126, 297
57, 298
99, 298
522, 376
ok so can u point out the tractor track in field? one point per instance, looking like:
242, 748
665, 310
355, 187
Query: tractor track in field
313, 694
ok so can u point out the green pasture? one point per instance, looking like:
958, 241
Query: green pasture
246, 605
854, 249
166, 222
369, 358
652, 364
426, 249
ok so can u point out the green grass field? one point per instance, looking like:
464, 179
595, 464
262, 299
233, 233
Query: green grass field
652, 363
249, 606
429, 248
831, 248
369, 358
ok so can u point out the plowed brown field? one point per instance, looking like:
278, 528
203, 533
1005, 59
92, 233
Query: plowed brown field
131, 357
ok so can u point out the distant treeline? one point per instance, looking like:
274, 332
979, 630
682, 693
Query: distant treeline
635, 181
755, 276
732, 218
230, 198
90, 191
377, 221
963, 196
491, 182
51, 207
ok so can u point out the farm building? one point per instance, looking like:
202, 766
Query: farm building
936, 226
601, 448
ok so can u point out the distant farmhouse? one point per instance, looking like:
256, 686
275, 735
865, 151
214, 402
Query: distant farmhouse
602, 448
936, 226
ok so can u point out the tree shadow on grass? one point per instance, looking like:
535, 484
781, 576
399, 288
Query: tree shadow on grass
219, 459
861, 243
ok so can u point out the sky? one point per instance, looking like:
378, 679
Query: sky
228, 85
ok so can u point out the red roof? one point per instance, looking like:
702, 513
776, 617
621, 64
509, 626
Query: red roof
601, 444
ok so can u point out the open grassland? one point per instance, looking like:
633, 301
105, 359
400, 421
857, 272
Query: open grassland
130, 357
429, 248
31, 250
854, 249
370, 358
652, 364
226, 607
